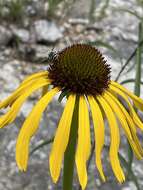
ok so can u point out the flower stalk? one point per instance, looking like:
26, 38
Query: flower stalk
69, 157
138, 62
137, 83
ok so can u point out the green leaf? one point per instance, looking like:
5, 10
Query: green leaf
62, 95
129, 81
132, 12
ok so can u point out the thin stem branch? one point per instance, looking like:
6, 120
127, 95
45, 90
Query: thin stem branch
128, 61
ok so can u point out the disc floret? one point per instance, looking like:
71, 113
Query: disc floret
80, 69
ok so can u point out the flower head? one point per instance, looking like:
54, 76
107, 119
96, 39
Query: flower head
80, 69
82, 72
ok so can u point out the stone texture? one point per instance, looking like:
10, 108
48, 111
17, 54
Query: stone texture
22, 34
46, 31
5, 36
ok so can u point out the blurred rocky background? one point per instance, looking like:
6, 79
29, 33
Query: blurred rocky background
29, 30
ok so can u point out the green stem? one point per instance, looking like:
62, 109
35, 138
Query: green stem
138, 62
128, 61
137, 85
103, 10
42, 145
92, 10
69, 157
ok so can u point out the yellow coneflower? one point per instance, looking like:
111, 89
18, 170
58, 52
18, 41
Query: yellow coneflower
81, 71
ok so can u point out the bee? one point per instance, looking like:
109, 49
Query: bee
52, 56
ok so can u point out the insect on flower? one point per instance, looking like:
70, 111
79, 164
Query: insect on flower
52, 55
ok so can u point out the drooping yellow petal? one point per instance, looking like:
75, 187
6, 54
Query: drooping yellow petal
44, 90
118, 112
84, 142
34, 76
137, 147
20, 90
122, 118
99, 133
136, 119
137, 100
14, 109
61, 139
138, 150
29, 128
115, 140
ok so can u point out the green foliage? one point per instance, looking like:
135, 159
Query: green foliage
53, 4
130, 81
132, 12
140, 2
16, 9
63, 95
102, 12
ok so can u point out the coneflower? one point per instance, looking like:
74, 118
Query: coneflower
81, 71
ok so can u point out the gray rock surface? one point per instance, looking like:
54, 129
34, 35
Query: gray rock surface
5, 36
47, 32
22, 34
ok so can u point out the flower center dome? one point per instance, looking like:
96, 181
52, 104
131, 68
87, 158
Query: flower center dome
80, 69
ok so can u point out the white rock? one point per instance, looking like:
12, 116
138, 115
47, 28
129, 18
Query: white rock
22, 34
78, 21
47, 31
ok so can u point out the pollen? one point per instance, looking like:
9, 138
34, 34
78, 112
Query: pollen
80, 69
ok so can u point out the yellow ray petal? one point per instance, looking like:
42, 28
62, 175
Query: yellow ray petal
139, 151
35, 76
118, 112
115, 140
137, 100
99, 133
19, 91
136, 119
12, 113
44, 90
84, 142
61, 139
29, 128
113, 102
